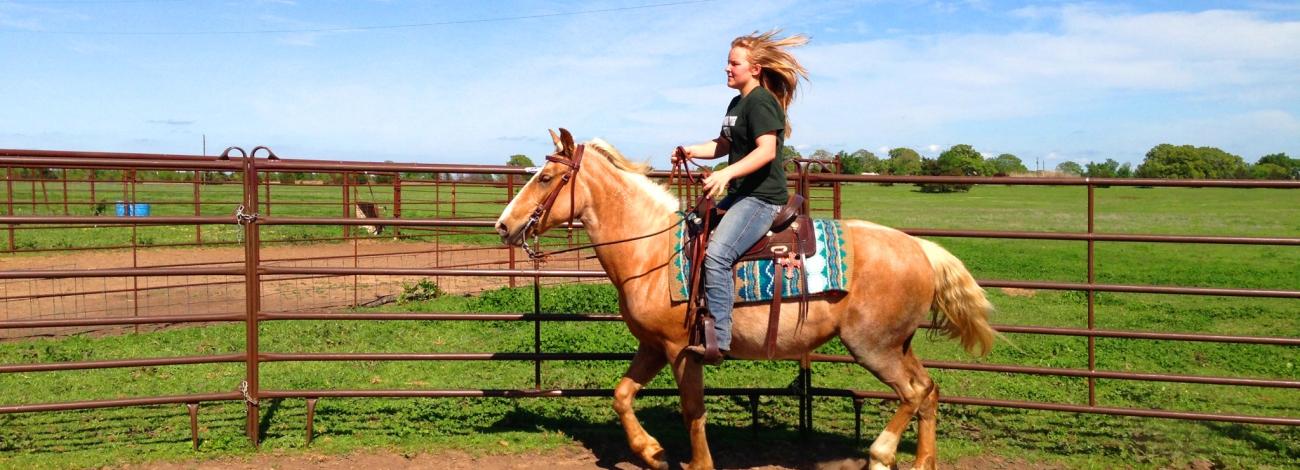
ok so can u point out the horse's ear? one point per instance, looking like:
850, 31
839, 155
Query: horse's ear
559, 147
567, 140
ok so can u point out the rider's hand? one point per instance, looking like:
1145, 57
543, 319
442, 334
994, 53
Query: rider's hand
715, 185
681, 154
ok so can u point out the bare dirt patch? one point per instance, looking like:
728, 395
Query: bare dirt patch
1016, 292
142, 296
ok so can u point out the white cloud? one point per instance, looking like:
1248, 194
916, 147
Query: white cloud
1092, 59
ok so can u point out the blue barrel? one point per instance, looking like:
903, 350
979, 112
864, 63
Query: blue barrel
123, 209
140, 209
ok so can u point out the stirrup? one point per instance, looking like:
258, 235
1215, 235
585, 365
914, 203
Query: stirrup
705, 335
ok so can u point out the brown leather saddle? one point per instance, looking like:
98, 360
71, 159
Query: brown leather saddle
788, 242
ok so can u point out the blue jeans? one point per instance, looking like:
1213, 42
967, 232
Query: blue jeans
746, 221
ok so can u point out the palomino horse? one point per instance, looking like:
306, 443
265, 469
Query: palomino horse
896, 279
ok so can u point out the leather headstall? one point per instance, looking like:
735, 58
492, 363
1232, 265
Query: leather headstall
544, 207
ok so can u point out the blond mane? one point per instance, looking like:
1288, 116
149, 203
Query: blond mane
636, 172
614, 156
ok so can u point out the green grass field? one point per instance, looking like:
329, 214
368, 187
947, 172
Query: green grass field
109, 436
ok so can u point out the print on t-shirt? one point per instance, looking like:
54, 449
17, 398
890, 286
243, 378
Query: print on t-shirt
727, 123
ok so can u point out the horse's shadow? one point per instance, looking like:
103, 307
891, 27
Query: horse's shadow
732, 446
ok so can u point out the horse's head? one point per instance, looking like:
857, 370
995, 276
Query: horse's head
549, 198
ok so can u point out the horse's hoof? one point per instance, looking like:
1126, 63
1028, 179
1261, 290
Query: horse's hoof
654, 458
697, 466
877, 465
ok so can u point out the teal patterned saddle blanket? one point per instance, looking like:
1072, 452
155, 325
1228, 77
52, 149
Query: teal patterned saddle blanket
828, 270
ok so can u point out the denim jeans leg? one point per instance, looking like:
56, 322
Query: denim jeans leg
746, 221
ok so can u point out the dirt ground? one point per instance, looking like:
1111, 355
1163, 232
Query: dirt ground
570, 458
49, 299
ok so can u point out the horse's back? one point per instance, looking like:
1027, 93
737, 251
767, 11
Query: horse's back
892, 278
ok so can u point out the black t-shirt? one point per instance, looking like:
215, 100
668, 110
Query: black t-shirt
747, 118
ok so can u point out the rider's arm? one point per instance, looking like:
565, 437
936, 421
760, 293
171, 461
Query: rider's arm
764, 152
709, 150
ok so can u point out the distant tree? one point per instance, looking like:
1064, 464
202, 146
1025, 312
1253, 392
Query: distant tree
719, 166
1070, 168
821, 155
959, 160
1188, 162
964, 160
1124, 171
385, 178
788, 152
1290, 166
871, 163
1269, 171
520, 160
1006, 164
904, 161
1106, 169
858, 162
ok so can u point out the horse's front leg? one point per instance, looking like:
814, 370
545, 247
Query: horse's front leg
690, 385
645, 364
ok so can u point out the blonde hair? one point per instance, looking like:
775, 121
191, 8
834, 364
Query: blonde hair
779, 71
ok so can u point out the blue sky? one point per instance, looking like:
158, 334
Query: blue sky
474, 82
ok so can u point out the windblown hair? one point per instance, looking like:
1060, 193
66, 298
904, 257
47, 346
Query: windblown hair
780, 71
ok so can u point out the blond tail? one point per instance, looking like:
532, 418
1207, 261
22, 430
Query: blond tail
962, 302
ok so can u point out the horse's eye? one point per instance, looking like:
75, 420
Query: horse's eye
545, 178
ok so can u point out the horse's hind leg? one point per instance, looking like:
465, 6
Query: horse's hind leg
898, 368
645, 364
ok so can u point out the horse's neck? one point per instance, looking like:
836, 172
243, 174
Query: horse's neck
621, 213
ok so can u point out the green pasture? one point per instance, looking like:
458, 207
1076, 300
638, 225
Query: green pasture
116, 436
113, 436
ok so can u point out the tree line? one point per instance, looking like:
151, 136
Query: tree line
1164, 161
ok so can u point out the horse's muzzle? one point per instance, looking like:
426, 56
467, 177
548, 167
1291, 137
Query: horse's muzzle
512, 239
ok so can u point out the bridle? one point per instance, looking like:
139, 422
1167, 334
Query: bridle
544, 207
575, 164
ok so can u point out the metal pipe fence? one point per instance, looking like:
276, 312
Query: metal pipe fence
478, 202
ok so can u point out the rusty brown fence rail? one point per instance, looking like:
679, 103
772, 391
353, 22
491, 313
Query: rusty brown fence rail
254, 271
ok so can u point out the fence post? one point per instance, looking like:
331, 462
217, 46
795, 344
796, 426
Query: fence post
93, 174
347, 203
1092, 278
64, 177
135, 246
198, 229
252, 299
9, 203
839, 169
437, 232
267, 185
397, 202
